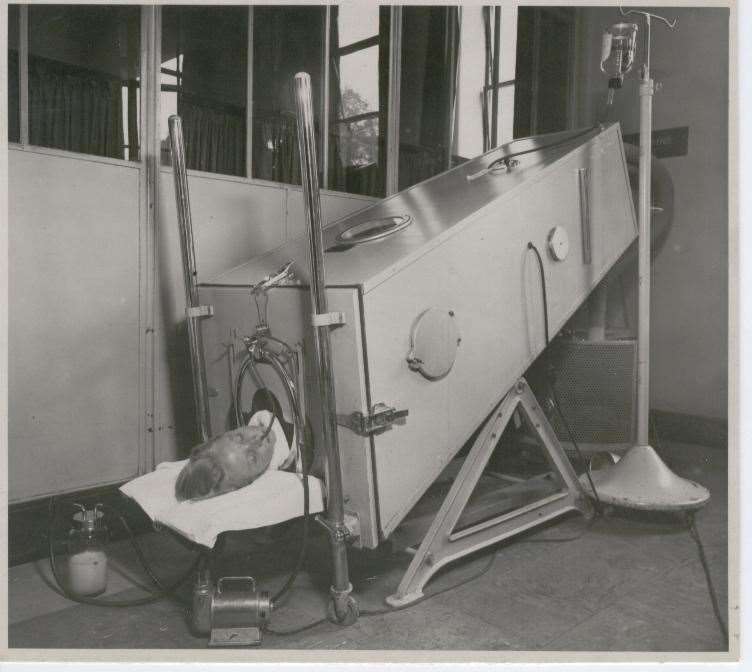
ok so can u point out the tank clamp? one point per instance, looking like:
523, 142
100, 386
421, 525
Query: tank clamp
199, 311
381, 418
328, 319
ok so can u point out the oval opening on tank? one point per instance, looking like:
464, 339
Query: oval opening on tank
374, 229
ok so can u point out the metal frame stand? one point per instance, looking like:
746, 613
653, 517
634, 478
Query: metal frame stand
442, 545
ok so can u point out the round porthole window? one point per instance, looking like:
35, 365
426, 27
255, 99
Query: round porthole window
374, 229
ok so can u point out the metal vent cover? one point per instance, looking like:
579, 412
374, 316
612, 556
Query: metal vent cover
595, 383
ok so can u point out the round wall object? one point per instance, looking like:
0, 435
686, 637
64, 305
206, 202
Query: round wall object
434, 340
558, 243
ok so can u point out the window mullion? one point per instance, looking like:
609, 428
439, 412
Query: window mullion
249, 99
23, 73
393, 104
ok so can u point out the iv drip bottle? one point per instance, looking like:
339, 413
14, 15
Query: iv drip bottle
617, 54
87, 557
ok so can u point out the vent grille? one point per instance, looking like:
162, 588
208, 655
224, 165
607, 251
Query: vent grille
595, 383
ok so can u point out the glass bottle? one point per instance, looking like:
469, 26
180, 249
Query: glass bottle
87, 556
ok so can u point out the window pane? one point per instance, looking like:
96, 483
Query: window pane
359, 81
428, 69
286, 40
204, 80
356, 22
83, 78
358, 99
14, 129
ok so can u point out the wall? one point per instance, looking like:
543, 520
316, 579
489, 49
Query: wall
689, 312
73, 354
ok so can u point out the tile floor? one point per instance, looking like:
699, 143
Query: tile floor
630, 582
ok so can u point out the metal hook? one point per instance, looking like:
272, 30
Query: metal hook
670, 24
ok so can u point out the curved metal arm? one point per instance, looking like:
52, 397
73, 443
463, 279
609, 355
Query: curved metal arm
670, 24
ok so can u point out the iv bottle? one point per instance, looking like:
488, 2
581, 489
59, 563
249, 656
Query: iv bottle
617, 54
87, 557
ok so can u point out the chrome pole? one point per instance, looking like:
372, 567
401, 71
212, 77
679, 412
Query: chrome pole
345, 608
643, 258
200, 396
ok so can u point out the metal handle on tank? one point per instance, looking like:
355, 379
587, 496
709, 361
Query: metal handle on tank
583, 179
312, 202
182, 202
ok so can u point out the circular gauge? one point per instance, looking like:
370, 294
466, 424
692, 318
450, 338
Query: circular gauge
558, 243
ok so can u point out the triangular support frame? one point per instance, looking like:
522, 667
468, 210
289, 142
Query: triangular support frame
442, 545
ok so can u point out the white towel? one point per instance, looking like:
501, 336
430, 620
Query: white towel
274, 497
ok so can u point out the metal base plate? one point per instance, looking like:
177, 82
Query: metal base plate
641, 480
250, 636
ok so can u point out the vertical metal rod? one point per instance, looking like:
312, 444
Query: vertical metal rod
312, 201
325, 98
393, 114
182, 201
495, 82
643, 254
453, 19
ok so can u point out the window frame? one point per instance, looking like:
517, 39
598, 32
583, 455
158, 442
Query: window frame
24, 143
151, 70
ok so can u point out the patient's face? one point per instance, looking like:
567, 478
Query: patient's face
242, 454
229, 462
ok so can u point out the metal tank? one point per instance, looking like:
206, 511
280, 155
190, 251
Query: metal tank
441, 307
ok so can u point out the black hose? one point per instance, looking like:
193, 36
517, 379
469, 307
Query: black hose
694, 533
276, 364
554, 397
163, 592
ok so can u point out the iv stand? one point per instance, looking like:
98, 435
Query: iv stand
641, 480
647, 90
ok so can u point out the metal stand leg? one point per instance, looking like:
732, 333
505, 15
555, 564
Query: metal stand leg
441, 545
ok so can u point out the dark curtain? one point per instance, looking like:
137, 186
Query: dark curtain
276, 138
75, 109
427, 152
214, 136
14, 123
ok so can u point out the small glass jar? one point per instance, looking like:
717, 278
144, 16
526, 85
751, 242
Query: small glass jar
87, 556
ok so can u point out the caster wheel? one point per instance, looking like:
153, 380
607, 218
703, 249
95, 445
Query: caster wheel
349, 617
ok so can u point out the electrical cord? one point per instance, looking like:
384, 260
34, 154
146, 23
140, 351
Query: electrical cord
690, 516
554, 396
163, 592
695, 534
389, 610
275, 362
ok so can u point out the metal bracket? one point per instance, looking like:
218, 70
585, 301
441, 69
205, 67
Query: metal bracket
380, 418
339, 533
328, 319
199, 311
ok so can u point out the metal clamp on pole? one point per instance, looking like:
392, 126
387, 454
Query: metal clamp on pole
328, 320
199, 311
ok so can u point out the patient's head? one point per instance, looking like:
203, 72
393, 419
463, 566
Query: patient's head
228, 462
